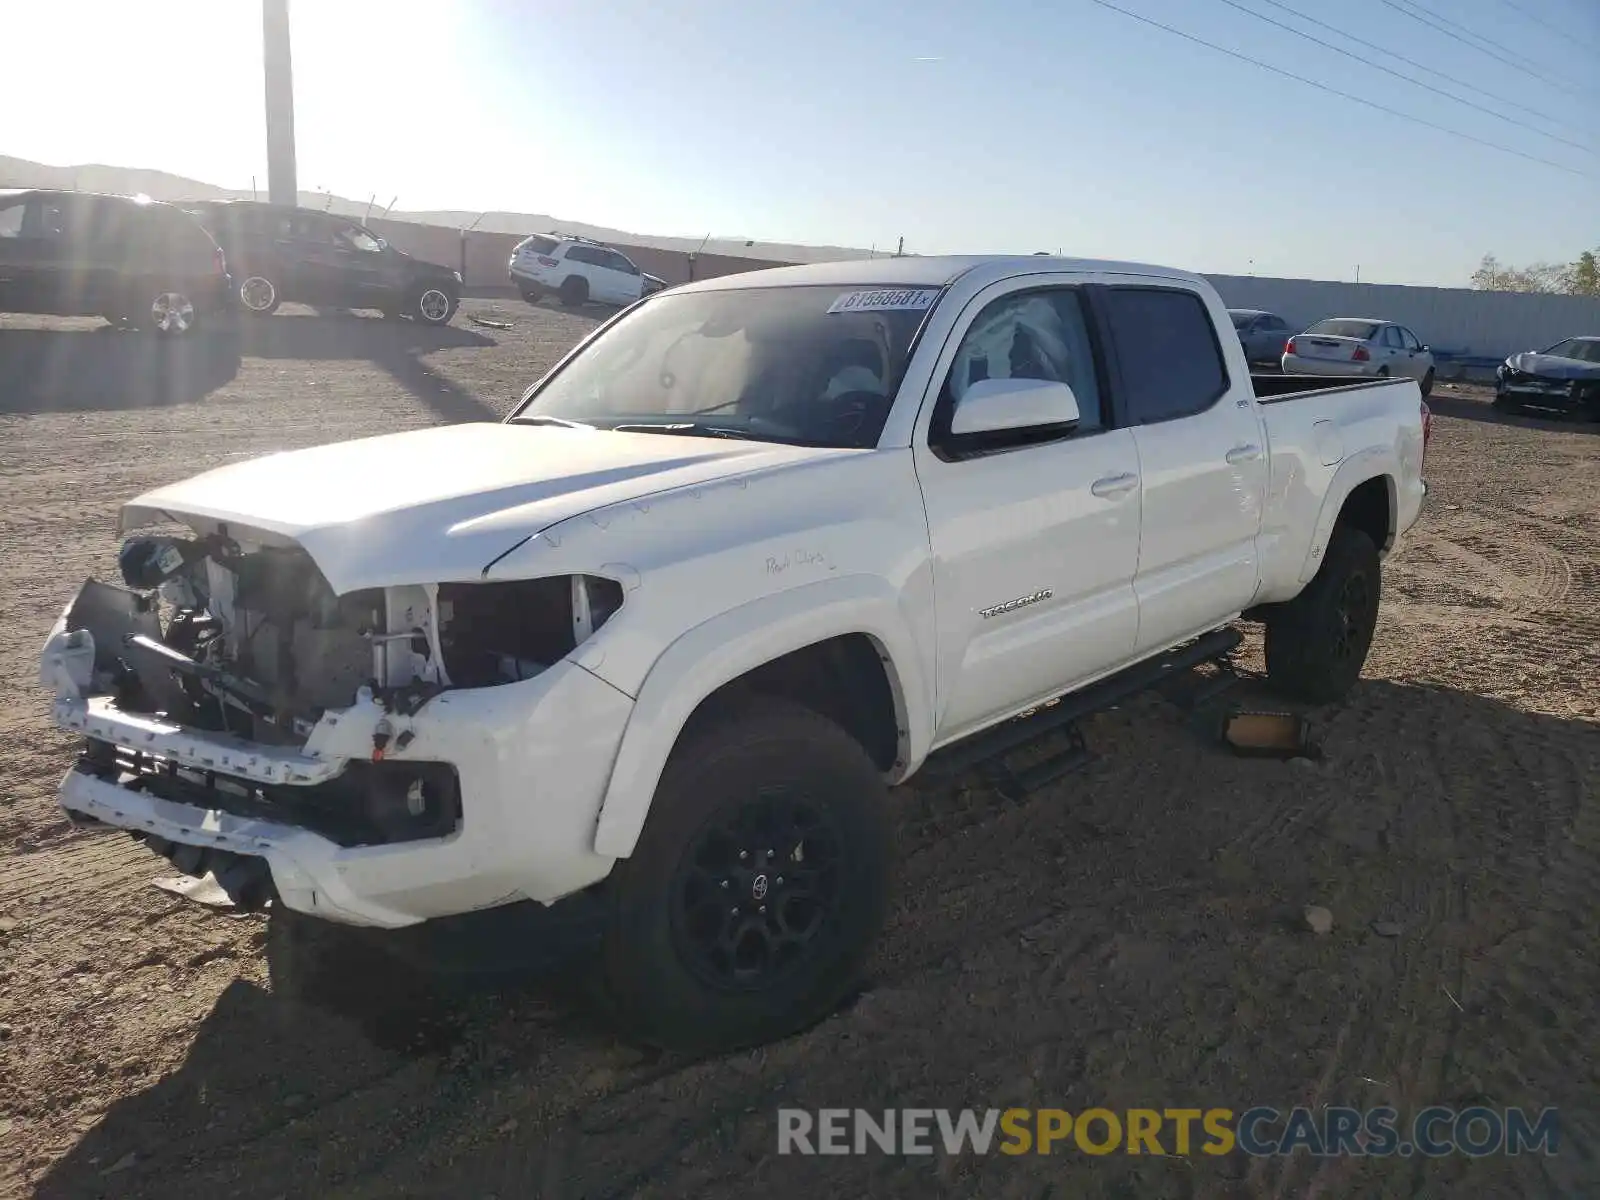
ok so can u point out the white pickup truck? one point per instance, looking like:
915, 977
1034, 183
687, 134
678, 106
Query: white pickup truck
650, 652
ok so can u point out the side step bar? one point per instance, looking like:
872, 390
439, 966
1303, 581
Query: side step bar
1063, 713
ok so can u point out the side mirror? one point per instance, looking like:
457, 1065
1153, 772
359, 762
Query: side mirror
1006, 405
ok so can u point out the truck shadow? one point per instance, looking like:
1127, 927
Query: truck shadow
103, 369
1128, 935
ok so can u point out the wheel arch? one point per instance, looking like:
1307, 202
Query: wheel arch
1364, 495
841, 647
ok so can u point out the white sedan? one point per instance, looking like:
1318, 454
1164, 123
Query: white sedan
1359, 346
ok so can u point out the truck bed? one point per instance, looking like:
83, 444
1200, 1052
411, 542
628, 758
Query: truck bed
1271, 389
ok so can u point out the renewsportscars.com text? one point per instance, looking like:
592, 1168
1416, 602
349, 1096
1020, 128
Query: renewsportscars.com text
1260, 1131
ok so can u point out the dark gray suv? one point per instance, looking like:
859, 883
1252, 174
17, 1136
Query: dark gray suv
278, 253
131, 260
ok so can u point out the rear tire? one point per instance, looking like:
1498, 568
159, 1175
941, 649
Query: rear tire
433, 306
756, 889
574, 291
1383, 372
258, 296
171, 314
1317, 643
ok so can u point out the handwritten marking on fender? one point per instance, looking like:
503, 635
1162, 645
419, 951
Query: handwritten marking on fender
778, 564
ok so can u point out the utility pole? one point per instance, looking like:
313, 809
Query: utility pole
281, 185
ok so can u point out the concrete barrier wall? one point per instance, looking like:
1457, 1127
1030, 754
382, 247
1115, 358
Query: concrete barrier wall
488, 253
1455, 320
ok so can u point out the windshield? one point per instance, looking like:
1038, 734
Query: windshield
1338, 327
1582, 349
811, 365
1241, 319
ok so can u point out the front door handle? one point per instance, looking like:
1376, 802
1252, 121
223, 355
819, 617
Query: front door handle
1243, 454
1113, 486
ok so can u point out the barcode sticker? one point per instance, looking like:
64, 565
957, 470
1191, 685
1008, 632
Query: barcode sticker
885, 300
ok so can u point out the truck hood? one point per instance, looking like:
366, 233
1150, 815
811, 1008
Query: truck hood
440, 505
1552, 366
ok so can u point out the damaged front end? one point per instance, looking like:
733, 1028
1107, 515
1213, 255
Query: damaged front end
224, 677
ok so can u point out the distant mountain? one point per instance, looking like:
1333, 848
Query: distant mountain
159, 185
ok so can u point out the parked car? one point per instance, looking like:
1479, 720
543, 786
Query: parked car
1262, 334
650, 651
1359, 346
577, 270
285, 253
129, 259
1565, 377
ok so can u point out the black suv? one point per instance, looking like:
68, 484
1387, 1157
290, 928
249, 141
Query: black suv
131, 260
278, 253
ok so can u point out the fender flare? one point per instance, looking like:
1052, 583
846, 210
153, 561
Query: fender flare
726, 647
1376, 462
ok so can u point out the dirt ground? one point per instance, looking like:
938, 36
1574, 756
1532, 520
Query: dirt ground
1128, 939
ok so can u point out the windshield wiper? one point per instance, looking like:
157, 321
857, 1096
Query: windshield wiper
542, 419
691, 428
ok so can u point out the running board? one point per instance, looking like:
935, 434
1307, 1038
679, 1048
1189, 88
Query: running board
992, 745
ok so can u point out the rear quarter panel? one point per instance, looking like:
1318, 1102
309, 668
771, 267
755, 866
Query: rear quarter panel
1323, 445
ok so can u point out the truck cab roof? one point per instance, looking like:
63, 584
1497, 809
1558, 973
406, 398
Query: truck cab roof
930, 271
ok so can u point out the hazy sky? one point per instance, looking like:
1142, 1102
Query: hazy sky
1014, 125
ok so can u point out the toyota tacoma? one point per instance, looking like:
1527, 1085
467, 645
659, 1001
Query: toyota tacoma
650, 652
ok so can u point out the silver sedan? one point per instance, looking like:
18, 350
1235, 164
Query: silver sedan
1359, 346
1261, 334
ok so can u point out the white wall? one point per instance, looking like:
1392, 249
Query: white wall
1452, 319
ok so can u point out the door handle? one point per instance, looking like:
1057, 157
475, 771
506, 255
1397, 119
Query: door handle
1113, 486
1242, 454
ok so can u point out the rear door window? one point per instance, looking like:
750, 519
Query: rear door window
11, 214
55, 217
315, 230
1392, 338
1167, 353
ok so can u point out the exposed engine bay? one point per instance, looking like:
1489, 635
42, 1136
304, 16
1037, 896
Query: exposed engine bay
220, 634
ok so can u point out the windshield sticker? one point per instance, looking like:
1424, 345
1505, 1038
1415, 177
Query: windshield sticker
885, 300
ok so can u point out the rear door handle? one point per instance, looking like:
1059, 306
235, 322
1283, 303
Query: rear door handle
1113, 486
1242, 454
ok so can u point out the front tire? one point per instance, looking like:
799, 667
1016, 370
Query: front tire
1427, 383
1317, 643
756, 889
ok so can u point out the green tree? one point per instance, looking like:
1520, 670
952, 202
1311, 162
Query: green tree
1494, 276
1586, 275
